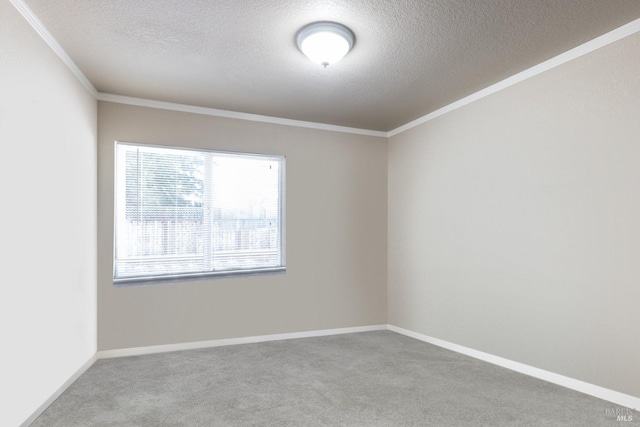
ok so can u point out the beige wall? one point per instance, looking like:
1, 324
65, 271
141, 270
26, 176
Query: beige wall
514, 222
336, 212
47, 221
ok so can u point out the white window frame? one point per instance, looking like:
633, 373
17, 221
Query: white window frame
182, 276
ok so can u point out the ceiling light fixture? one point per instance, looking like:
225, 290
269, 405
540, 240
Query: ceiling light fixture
325, 42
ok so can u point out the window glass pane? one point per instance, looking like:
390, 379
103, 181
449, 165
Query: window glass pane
181, 212
246, 215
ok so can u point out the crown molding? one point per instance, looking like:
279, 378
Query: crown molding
604, 40
141, 102
39, 27
588, 47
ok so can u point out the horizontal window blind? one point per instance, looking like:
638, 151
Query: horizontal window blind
183, 213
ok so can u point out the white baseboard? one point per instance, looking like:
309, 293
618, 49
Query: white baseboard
138, 351
570, 383
59, 391
577, 385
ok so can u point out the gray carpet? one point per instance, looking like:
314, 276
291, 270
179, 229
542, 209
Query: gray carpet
363, 379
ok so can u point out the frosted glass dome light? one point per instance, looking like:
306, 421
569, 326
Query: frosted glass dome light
325, 42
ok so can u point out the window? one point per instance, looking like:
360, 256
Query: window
191, 213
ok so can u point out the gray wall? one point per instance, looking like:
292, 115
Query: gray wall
514, 222
47, 221
336, 236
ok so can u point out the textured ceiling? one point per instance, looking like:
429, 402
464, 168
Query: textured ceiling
411, 57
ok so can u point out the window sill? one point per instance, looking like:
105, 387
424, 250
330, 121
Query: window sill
157, 280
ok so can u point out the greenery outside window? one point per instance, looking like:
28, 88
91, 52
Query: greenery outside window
183, 213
